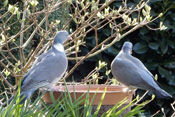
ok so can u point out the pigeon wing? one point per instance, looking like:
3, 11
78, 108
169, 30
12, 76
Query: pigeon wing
49, 69
124, 71
35, 63
145, 74
128, 73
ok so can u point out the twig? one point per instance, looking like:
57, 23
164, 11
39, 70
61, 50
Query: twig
5, 36
33, 33
6, 81
140, 98
155, 113
172, 105
21, 52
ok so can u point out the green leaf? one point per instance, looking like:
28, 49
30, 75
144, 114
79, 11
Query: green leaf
112, 50
164, 72
161, 14
171, 43
22, 20
154, 46
5, 3
75, 20
100, 103
170, 7
169, 63
141, 19
100, 15
163, 46
148, 8
171, 81
148, 17
162, 27
101, 64
151, 65
18, 14
7, 73
125, 17
144, 12
107, 32
3, 38
144, 30
11, 8
140, 48
134, 22
106, 11
108, 72
33, 3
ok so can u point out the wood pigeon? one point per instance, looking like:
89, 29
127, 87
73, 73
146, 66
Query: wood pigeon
131, 72
47, 69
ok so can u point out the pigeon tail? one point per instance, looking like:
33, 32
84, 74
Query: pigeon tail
25, 95
161, 94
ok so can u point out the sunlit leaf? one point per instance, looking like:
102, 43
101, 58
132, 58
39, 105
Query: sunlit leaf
144, 12
148, 8
5, 3
100, 15
34, 3
7, 73
18, 14
11, 8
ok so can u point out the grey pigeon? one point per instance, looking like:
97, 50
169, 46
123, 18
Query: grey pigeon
47, 69
131, 72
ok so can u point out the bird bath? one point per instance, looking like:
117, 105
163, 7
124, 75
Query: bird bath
114, 94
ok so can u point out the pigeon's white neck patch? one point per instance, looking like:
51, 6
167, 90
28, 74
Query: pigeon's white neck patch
59, 47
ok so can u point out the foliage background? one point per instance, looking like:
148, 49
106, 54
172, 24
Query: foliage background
156, 49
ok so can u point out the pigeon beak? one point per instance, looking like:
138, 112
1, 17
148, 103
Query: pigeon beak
131, 52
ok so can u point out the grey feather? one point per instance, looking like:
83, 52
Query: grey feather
131, 72
47, 69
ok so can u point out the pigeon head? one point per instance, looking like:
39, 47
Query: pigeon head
127, 47
61, 37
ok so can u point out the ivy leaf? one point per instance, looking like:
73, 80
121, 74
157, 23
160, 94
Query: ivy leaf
140, 48
163, 46
112, 50
171, 43
107, 32
169, 63
154, 46
151, 65
170, 7
171, 81
143, 31
164, 72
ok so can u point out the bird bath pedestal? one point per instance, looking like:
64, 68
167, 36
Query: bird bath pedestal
114, 94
